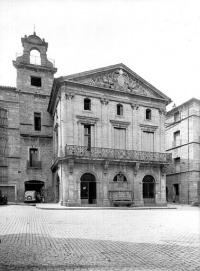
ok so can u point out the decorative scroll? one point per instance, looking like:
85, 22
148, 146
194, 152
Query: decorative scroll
117, 80
107, 153
104, 101
69, 95
162, 111
134, 106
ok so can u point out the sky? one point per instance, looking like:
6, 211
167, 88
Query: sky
157, 39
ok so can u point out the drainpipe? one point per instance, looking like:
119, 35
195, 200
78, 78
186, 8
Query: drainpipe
188, 159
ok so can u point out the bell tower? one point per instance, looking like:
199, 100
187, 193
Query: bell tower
35, 74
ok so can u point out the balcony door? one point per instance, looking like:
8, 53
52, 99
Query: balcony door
88, 136
120, 138
34, 157
148, 141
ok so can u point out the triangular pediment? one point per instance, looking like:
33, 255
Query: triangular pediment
119, 78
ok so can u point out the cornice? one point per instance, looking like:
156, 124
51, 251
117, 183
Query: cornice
19, 65
148, 127
119, 123
87, 120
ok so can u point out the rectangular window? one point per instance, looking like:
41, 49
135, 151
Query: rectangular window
87, 104
120, 138
177, 140
3, 117
177, 164
87, 136
37, 121
176, 116
34, 157
148, 141
3, 174
36, 81
3, 145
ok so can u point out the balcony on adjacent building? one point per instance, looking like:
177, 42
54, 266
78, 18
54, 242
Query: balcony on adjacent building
116, 154
34, 164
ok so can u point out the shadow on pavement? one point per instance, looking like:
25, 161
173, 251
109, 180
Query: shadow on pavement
42, 252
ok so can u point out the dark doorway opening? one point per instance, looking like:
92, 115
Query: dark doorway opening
37, 186
176, 192
149, 189
88, 189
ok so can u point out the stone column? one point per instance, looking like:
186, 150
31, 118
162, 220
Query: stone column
105, 185
161, 187
65, 183
137, 186
61, 185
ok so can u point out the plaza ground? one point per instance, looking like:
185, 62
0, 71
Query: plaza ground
102, 239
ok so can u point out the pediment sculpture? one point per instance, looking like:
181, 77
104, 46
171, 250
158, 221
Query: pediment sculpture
117, 80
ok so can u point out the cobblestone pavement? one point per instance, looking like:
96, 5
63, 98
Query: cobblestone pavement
57, 240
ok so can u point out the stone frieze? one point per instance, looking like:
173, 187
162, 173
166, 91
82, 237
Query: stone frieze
117, 80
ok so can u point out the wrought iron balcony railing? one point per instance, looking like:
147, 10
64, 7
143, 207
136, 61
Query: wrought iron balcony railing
116, 154
34, 164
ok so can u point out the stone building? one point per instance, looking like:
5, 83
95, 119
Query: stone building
108, 138
96, 137
183, 141
26, 126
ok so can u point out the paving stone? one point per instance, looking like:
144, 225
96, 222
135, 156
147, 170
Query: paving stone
58, 240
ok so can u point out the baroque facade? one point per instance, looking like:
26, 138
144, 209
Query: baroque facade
109, 138
96, 137
183, 141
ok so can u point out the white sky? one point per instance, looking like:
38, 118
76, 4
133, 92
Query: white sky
157, 39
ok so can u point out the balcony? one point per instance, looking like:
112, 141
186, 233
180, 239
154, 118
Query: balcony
34, 164
116, 154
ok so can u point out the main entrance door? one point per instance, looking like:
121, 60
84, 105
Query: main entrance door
149, 190
88, 189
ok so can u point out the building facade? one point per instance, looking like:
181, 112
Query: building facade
109, 138
94, 138
183, 141
26, 126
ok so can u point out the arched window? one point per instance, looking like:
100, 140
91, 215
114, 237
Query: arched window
148, 114
119, 109
35, 57
87, 104
120, 178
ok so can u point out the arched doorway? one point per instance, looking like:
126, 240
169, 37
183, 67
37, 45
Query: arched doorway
149, 189
88, 189
37, 186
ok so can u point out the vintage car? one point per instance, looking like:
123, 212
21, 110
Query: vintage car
30, 196
3, 198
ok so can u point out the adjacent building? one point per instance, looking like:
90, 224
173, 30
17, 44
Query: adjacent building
26, 126
183, 141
